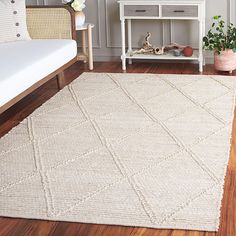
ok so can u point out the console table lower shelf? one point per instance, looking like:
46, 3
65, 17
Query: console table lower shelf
166, 56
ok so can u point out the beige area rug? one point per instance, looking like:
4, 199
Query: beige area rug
125, 149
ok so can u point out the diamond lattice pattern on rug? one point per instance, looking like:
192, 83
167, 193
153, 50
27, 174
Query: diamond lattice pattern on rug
128, 149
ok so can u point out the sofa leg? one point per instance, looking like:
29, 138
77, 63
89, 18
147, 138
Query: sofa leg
61, 80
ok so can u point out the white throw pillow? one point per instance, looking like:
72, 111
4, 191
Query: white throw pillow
13, 21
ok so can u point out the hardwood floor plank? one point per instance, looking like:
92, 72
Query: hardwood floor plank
22, 227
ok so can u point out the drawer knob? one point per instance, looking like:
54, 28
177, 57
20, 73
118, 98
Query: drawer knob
140, 11
178, 11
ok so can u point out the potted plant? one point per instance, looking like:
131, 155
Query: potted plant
222, 40
77, 6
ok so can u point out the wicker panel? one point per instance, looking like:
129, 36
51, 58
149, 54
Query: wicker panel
49, 23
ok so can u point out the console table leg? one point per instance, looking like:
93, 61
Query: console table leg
204, 33
201, 66
200, 46
129, 39
123, 57
204, 60
123, 63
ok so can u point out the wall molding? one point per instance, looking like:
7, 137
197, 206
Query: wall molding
108, 25
231, 11
97, 24
99, 44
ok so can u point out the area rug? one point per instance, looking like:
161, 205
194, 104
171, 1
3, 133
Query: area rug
123, 149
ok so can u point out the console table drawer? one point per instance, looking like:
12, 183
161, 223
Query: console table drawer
139, 10
179, 11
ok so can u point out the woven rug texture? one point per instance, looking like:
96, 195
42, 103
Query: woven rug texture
123, 149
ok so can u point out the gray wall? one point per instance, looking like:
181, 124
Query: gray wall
106, 35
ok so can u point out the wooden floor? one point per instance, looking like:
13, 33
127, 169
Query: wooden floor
20, 227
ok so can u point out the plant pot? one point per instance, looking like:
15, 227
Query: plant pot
225, 61
79, 18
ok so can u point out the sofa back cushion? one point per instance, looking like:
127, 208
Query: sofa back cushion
13, 21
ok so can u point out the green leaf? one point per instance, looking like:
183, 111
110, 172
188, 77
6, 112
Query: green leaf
218, 38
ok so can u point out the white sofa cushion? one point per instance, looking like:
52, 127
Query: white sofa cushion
23, 63
13, 21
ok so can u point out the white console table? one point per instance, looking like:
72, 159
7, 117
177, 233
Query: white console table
161, 10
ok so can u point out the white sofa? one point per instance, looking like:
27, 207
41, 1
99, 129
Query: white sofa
26, 65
